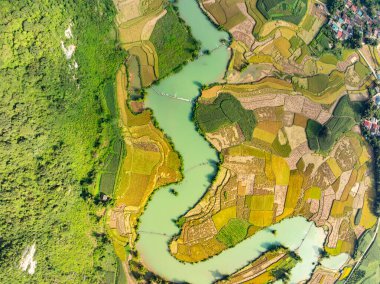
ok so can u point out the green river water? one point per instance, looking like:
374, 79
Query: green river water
156, 224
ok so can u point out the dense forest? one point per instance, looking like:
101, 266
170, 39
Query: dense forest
54, 135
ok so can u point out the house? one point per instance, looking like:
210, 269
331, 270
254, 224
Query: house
376, 99
375, 129
367, 124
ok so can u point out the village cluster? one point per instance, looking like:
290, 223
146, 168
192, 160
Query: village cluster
345, 20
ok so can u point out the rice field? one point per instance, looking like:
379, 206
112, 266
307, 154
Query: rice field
290, 11
225, 110
233, 233
261, 218
281, 170
318, 83
223, 216
262, 202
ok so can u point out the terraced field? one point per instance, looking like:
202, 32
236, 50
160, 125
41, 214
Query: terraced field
152, 32
290, 11
149, 164
284, 122
275, 175
274, 264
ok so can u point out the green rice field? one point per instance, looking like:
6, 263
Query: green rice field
225, 110
234, 232
287, 10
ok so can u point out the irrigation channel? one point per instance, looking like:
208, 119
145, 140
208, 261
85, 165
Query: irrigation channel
156, 225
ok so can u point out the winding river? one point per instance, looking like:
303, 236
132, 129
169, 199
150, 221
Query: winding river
156, 225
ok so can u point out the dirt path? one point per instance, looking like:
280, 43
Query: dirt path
130, 279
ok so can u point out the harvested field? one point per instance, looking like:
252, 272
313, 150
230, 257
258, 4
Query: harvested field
149, 26
226, 137
146, 64
126, 10
296, 136
241, 25
150, 161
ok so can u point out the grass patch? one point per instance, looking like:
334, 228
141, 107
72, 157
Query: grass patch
225, 110
362, 70
308, 22
304, 52
295, 43
173, 42
107, 183
318, 83
281, 150
329, 58
233, 233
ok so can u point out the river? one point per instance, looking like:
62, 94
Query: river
156, 224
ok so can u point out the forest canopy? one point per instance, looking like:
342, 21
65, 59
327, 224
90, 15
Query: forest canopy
54, 134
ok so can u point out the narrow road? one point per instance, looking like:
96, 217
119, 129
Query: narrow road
365, 252
130, 279
369, 65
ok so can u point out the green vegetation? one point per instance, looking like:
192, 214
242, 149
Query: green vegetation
334, 5
110, 171
281, 150
233, 233
318, 83
281, 270
173, 42
322, 137
325, 42
54, 138
225, 110
295, 43
367, 270
362, 70
329, 58
288, 10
